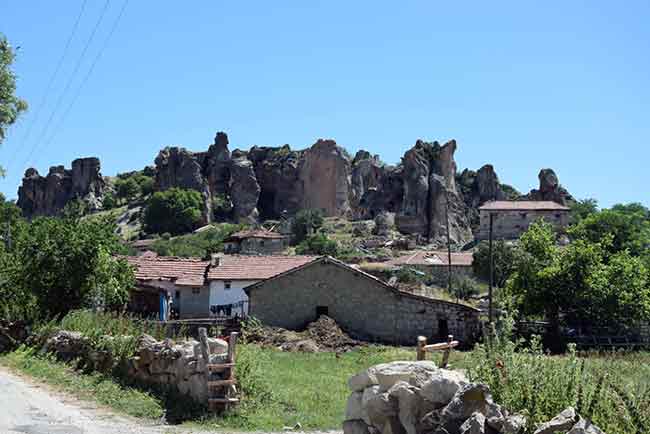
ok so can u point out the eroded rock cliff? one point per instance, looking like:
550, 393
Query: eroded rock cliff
48, 195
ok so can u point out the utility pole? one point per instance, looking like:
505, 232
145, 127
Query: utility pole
490, 311
448, 244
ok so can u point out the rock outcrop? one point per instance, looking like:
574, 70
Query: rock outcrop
430, 194
550, 189
48, 195
265, 183
325, 175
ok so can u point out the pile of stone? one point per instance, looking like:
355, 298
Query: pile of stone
418, 398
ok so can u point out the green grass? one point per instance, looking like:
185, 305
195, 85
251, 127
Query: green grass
93, 387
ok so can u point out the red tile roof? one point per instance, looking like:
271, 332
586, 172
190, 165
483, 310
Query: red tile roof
181, 271
255, 233
522, 205
434, 258
241, 267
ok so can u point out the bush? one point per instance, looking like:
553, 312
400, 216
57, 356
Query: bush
200, 245
318, 244
305, 223
176, 211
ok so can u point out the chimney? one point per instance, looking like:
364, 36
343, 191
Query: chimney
215, 259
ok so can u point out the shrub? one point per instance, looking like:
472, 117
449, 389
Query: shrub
318, 244
175, 211
305, 223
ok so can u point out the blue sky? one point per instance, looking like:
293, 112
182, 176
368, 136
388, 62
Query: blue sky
521, 85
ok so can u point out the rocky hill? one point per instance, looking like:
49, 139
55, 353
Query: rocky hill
269, 182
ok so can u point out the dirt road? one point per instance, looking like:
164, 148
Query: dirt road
29, 408
26, 408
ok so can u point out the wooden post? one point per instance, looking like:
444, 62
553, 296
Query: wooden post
232, 343
447, 352
205, 346
422, 342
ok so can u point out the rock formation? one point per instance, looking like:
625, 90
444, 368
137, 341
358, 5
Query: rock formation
48, 195
325, 174
550, 189
270, 182
430, 194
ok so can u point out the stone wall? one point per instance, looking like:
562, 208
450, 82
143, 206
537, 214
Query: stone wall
363, 306
511, 224
262, 246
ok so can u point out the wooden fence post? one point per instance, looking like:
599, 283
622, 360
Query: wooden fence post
422, 342
205, 346
447, 352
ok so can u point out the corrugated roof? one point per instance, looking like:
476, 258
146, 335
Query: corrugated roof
434, 258
181, 271
523, 205
255, 233
242, 267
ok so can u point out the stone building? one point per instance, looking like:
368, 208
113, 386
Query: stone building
512, 218
194, 288
256, 242
364, 306
228, 275
436, 262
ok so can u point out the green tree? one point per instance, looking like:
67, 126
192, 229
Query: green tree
627, 225
582, 209
10, 105
127, 189
176, 211
67, 263
305, 223
504, 261
318, 244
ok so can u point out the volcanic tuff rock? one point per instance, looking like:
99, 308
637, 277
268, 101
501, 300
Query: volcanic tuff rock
429, 173
270, 182
48, 195
550, 189
326, 178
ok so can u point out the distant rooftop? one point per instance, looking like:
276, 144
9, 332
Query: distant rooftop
522, 205
255, 233
434, 258
243, 267
181, 271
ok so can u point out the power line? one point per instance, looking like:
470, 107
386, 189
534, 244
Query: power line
88, 74
69, 83
48, 88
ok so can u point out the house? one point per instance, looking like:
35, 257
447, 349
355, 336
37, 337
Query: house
258, 241
512, 218
228, 275
363, 305
194, 288
166, 283
436, 262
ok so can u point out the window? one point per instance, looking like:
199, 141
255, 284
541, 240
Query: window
261, 243
227, 284
443, 329
557, 216
196, 290
524, 215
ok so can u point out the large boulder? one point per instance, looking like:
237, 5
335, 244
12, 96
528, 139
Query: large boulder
418, 398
